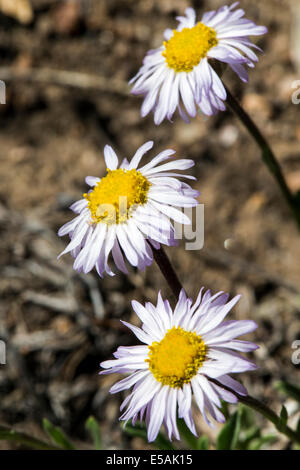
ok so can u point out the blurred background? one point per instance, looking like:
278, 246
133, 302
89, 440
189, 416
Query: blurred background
66, 65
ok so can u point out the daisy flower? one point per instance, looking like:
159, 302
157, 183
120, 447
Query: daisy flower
183, 350
179, 73
128, 211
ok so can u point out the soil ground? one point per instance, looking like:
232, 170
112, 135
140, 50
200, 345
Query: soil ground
59, 325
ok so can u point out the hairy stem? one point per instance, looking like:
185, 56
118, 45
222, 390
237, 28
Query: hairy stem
167, 270
263, 410
267, 154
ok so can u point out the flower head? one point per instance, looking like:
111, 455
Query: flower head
128, 211
180, 72
184, 351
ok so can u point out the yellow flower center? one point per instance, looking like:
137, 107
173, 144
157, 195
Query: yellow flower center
186, 48
177, 357
114, 197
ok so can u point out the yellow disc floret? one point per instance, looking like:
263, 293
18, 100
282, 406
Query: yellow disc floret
114, 197
186, 48
177, 357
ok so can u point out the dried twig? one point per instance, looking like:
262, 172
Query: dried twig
95, 295
64, 78
66, 304
48, 340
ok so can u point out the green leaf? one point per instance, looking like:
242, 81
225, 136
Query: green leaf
57, 435
289, 389
257, 444
203, 443
93, 428
297, 446
251, 433
186, 435
21, 438
284, 415
229, 435
225, 409
298, 427
247, 417
161, 442
282, 419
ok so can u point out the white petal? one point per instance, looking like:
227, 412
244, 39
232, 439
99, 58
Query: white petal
162, 156
187, 95
118, 257
126, 246
128, 382
111, 159
92, 180
139, 154
182, 164
170, 414
233, 384
157, 413
77, 236
79, 206
140, 334
228, 331
172, 212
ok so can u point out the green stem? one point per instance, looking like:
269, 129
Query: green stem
22, 438
267, 154
167, 270
263, 410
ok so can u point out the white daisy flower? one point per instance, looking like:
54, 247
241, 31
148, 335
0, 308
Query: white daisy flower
184, 349
128, 211
179, 72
